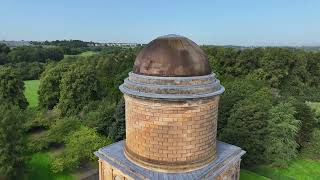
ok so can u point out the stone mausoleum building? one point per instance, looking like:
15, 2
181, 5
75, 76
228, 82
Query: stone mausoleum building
171, 101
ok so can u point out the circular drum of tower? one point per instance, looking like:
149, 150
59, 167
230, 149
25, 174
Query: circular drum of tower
171, 101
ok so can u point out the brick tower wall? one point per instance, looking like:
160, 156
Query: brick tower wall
173, 133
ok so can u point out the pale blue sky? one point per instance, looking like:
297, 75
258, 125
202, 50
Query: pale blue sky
224, 22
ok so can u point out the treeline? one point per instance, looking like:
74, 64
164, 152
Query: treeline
29, 61
69, 47
263, 109
63, 43
291, 71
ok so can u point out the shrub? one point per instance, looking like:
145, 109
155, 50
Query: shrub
62, 128
79, 148
42, 119
312, 148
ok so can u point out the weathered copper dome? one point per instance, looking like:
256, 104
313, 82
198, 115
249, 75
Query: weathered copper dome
172, 56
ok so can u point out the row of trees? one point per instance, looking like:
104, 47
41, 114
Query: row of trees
29, 54
263, 109
69, 47
280, 67
28, 61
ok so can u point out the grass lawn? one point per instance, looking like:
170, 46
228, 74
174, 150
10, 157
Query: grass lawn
315, 106
84, 54
31, 92
303, 169
248, 175
39, 166
88, 53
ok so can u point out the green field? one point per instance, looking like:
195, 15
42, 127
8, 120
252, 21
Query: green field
84, 54
31, 92
303, 169
39, 166
88, 53
315, 106
248, 175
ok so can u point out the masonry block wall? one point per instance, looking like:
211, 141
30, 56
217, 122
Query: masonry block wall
171, 133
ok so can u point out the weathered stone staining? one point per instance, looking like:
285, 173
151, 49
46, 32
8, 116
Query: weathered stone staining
171, 101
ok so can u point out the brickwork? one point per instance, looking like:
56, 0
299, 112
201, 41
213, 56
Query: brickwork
171, 133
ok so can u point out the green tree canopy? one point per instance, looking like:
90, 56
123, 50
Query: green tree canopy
118, 129
79, 86
49, 89
283, 130
12, 87
80, 146
12, 141
247, 125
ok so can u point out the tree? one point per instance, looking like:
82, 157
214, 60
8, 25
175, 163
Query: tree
80, 146
313, 67
12, 87
312, 148
78, 87
35, 54
236, 90
283, 129
12, 141
247, 126
118, 129
112, 68
29, 71
308, 122
4, 50
60, 130
247, 61
100, 116
49, 89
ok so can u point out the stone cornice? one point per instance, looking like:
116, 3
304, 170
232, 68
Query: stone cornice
172, 88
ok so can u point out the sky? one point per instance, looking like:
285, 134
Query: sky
223, 22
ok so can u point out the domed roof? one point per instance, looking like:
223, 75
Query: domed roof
172, 56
